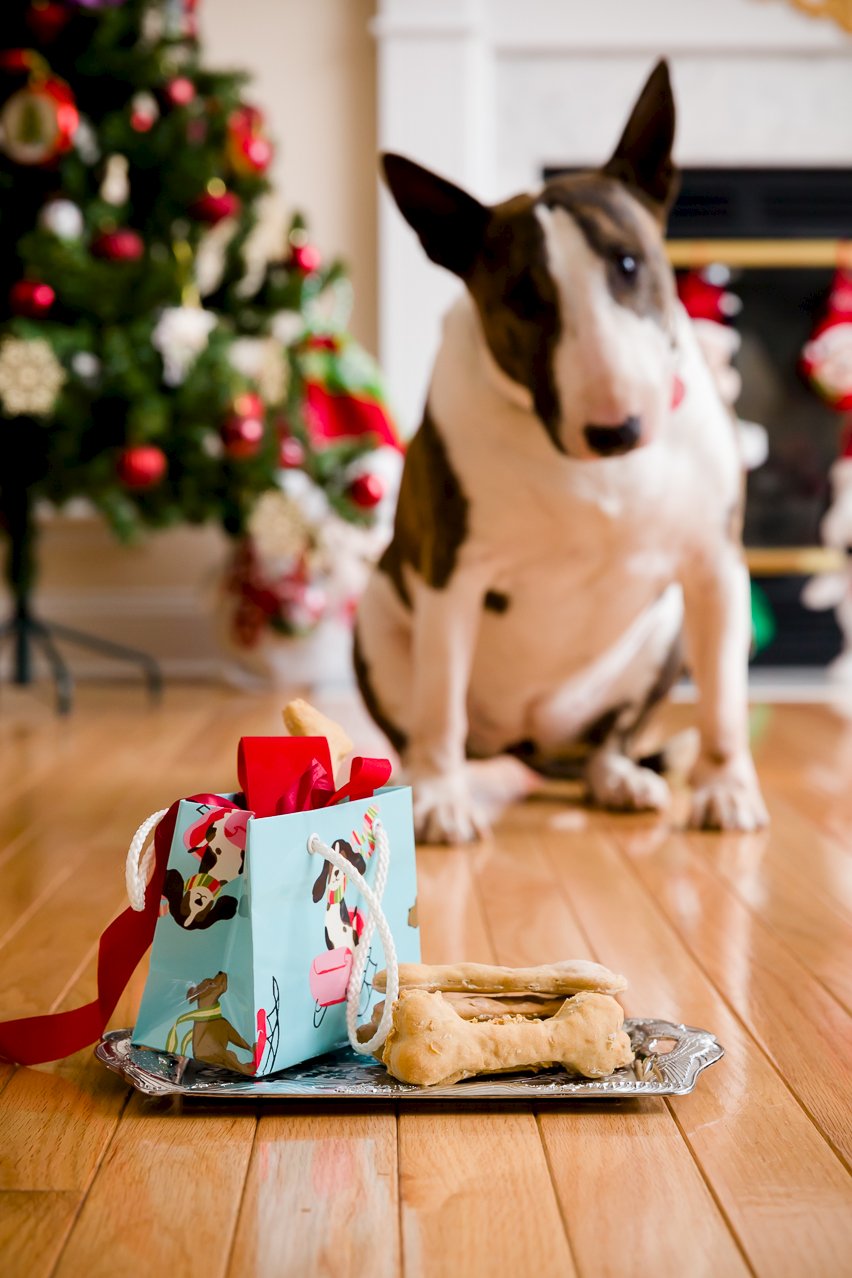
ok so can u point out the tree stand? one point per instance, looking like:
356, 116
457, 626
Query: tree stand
29, 634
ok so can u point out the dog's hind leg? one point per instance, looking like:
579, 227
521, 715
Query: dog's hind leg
615, 781
615, 778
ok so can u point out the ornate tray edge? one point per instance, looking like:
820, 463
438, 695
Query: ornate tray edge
673, 1074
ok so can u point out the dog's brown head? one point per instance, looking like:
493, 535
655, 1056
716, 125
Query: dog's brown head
573, 289
209, 991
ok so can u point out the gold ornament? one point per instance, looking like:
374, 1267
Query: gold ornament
31, 377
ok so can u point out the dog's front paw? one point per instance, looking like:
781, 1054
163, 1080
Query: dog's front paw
727, 797
444, 810
617, 782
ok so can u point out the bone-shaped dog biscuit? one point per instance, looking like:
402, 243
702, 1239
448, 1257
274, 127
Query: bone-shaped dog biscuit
474, 1007
568, 977
430, 1045
301, 719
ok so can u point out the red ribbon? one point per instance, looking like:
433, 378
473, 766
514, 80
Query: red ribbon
31, 1040
34, 1039
315, 787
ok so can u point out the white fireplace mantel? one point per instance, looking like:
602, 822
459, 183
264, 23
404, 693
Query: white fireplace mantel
489, 91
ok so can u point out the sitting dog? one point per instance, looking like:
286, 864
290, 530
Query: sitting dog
570, 503
212, 1034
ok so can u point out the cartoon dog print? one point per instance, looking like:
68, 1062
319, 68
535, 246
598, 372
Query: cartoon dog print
211, 1033
342, 928
218, 839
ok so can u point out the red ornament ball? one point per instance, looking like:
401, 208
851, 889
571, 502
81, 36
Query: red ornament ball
212, 208
180, 91
305, 257
249, 404
291, 453
144, 111
142, 466
366, 491
123, 245
248, 149
322, 342
46, 19
242, 430
31, 298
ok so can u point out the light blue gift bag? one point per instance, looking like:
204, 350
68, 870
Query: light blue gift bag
262, 932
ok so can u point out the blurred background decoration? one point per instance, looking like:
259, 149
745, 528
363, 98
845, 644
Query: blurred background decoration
169, 351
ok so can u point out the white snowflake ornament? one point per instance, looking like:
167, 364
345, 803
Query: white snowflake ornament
31, 377
280, 532
180, 335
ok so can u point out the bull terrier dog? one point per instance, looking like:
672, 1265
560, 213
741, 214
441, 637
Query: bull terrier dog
570, 505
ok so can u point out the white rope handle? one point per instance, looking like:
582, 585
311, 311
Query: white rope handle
375, 919
137, 867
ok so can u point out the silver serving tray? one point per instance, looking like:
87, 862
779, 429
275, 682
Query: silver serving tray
669, 1059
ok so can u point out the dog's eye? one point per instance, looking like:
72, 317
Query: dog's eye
627, 266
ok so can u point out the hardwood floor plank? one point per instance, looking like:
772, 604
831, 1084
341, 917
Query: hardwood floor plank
449, 907
457, 1179
636, 1167
789, 901
171, 1183
320, 1198
477, 1197
632, 1196
783, 1190
805, 1032
56, 1120
33, 1228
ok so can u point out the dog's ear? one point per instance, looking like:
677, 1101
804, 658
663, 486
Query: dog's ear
322, 881
173, 890
450, 223
643, 157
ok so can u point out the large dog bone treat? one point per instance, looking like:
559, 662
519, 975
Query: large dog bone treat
568, 977
474, 1007
430, 1045
301, 719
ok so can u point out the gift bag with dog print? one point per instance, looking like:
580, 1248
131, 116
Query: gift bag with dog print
257, 937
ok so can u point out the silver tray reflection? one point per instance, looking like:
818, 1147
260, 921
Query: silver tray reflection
669, 1059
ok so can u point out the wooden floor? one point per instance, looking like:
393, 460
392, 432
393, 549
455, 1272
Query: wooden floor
748, 936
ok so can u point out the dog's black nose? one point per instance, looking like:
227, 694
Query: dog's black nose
609, 441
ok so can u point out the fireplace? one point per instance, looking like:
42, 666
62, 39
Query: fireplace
781, 231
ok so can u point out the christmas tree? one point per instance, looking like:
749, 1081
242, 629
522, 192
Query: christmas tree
153, 360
